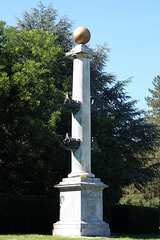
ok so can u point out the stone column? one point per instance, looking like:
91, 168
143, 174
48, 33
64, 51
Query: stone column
81, 120
81, 194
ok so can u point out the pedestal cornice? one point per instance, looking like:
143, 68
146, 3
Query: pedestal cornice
81, 49
81, 183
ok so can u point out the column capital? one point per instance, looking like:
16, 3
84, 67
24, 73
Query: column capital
81, 49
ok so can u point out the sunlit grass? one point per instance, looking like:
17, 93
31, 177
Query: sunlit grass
49, 237
26, 237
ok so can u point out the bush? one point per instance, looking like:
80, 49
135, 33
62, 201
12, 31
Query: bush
27, 214
134, 220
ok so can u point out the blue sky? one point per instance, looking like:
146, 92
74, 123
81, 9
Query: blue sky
131, 29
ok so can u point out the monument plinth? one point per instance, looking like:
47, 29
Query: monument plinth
81, 194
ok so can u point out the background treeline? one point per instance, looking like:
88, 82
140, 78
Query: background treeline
36, 214
35, 75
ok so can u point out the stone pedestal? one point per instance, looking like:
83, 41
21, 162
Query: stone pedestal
81, 208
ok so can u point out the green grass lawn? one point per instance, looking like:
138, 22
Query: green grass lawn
47, 237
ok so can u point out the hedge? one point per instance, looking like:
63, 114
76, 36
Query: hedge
134, 220
27, 214
36, 214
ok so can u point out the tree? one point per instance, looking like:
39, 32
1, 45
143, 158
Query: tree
154, 117
126, 138
46, 18
149, 195
32, 85
35, 77
154, 101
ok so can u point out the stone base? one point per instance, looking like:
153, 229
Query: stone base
81, 208
79, 229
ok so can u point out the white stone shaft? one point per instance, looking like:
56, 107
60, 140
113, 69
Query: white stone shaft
81, 126
81, 121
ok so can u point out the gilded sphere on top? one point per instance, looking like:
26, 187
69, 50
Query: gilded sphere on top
81, 35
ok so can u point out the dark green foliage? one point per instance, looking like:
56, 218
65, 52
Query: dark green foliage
31, 90
134, 220
122, 132
148, 196
46, 18
154, 117
27, 214
154, 101
125, 137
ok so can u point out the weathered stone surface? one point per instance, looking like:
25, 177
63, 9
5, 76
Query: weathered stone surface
81, 120
81, 228
81, 49
81, 208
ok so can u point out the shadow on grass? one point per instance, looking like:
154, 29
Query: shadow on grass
130, 236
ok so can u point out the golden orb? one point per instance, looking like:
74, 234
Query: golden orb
81, 35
